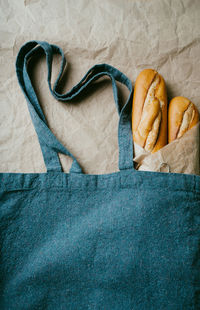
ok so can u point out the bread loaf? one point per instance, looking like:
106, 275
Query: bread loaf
149, 113
182, 116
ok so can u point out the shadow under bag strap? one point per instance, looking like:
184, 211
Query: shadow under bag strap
49, 144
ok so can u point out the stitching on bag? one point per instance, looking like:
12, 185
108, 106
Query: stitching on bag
113, 186
118, 182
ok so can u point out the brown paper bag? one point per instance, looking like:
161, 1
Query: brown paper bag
179, 156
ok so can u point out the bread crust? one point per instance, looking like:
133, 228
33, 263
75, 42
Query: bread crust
182, 116
149, 113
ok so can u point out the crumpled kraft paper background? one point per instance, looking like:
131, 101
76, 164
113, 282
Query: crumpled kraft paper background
130, 35
179, 156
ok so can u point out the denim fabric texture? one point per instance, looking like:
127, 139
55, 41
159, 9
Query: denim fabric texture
127, 240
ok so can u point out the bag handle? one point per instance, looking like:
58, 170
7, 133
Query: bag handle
50, 146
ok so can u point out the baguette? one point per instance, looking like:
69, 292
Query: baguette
149, 113
182, 116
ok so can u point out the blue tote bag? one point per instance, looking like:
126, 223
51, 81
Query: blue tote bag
127, 240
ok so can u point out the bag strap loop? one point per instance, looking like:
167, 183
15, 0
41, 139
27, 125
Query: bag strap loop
50, 145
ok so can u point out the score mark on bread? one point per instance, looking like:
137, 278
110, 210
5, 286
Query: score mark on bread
149, 116
182, 116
